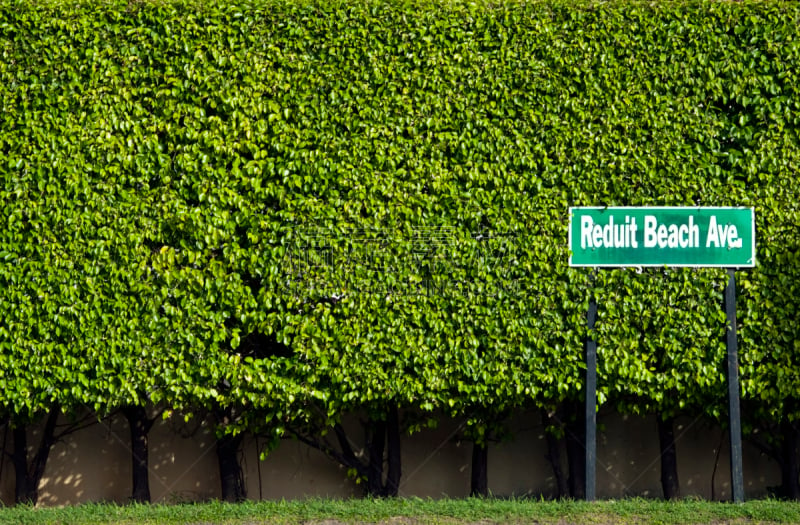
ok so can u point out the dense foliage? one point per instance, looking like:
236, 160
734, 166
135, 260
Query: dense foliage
294, 210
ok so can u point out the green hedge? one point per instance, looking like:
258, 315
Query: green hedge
175, 174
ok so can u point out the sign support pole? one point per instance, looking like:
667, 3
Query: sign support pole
659, 236
591, 404
734, 413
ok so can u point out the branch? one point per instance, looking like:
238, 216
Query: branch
75, 426
331, 453
344, 443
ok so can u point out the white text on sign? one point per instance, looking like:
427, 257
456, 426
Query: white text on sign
656, 235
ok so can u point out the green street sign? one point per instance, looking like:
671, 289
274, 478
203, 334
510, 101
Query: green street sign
662, 236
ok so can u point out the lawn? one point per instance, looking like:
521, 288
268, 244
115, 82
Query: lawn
415, 511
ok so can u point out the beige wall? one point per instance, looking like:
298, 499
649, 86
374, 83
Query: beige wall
94, 464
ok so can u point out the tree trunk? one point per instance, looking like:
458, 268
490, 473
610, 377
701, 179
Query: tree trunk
394, 468
19, 458
554, 457
669, 458
139, 425
230, 470
479, 479
376, 443
789, 459
576, 451
28, 477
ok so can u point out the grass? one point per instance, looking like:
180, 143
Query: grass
414, 511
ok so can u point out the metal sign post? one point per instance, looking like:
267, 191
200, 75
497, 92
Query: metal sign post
591, 405
734, 414
699, 237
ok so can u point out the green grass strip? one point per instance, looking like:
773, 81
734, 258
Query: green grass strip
414, 511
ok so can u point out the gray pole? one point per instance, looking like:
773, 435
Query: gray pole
734, 413
591, 404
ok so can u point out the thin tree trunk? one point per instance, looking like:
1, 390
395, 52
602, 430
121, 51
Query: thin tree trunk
19, 458
376, 445
28, 478
139, 425
789, 459
554, 457
394, 468
670, 483
230, 470
576, 452
479, 479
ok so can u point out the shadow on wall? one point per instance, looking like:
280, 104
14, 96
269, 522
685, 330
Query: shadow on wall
629, 461
183, 461
93, 464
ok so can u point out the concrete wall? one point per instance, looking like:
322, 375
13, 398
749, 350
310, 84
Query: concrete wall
94, 464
